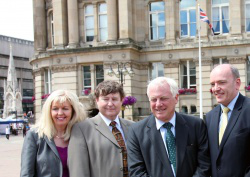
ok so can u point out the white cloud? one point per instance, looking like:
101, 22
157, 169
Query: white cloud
16, 19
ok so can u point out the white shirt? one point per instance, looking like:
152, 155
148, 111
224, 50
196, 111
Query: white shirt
7, 130
118, 125
163, 131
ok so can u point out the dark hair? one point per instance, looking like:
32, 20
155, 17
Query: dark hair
108, 87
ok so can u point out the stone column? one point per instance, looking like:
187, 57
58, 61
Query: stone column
73, 23
125, 20
204, 26
39, 18
112, 20
235, 18
171, 8
60, 23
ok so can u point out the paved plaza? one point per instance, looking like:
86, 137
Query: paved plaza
10, 155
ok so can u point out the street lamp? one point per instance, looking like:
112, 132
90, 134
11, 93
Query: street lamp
121, 72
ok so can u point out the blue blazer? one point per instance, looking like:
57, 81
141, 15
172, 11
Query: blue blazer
40, 157
232, 157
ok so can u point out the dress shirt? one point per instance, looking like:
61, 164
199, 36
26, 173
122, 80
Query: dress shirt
230, 106
163, 131
118, 125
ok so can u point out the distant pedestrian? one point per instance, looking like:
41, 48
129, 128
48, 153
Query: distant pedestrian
7, 132
24, 131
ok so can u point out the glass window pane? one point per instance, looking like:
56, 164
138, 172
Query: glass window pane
89, 10
225, 14
86, 69
153, 33
184, 30
248, 71
102, 8
215, 14
192, 80
216, 26
103, 34
193, 29
161, 20
160, 69
89, 22
103, 21
192, 16
153, 20
87, 82
161, 32
156, 6
224, 1
184, 82
187, 3
183, 17
248, 10
214, 2
225, 26
248, 25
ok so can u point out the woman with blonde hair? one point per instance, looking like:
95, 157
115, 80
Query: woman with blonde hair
44, 150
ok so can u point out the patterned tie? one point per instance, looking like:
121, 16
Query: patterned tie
170, 141
119, 139
223, 124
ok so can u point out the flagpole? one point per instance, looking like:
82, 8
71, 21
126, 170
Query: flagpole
200, 71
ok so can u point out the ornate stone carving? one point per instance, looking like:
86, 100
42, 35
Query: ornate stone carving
37, 72
49, 4
171, 64
64, 68
237, 60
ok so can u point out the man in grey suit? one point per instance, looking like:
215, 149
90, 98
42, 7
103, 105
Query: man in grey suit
97, 145
167, 143
228, 125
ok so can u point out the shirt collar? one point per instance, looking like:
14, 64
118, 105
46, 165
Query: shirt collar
231, 104
108, 121
160, 123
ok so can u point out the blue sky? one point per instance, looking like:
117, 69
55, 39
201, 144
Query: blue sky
16, 19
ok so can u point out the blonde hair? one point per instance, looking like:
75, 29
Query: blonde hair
45, 125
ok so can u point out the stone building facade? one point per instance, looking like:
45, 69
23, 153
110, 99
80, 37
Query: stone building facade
22, 50
78, 42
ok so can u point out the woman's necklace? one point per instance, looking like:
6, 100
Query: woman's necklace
59, 137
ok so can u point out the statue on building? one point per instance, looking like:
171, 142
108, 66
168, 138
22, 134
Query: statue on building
12, 91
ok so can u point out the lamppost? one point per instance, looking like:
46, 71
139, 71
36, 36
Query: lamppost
121, 72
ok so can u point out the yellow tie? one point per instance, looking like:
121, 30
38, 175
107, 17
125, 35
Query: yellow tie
223, 124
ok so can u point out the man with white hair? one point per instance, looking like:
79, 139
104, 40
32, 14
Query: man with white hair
167, 143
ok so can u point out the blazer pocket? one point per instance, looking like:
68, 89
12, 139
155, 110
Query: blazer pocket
242, 132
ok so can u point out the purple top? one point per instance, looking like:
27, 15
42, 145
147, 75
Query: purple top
63, 153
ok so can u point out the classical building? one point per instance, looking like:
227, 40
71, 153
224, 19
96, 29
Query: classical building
79, 43
16, 78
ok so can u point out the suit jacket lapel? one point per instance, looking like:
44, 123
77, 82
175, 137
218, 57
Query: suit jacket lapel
233, 119
104, 129
214, 128
156, 139
52, 146
181, 134
124, 126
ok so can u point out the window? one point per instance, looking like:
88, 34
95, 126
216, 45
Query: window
89, 72
103, 24
156, 70
193, 109
157, 20
220, 16
86, 77
50, 32
219, 61
188, 74
248, 70
188, 18
184, 109
27, 92
89, 23
247, 12
47, 81
99, 74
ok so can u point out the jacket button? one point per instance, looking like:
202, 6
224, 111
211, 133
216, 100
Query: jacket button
121, 168
218, 168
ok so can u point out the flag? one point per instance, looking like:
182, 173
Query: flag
204, 18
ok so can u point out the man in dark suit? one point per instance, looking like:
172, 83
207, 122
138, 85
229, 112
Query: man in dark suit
228, 125
167, 143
